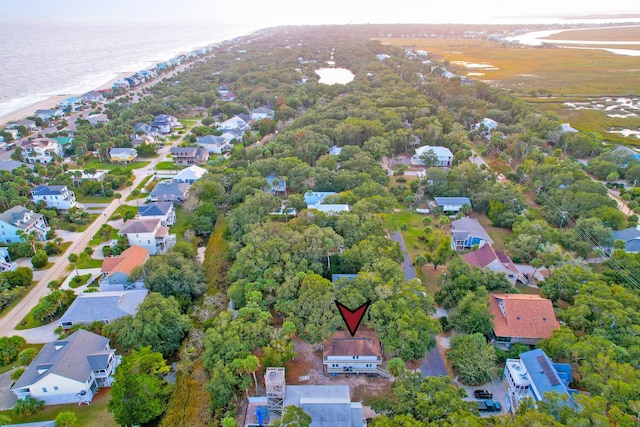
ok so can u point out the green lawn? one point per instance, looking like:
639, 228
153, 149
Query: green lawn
67, 226
94, 415
499, 235
180, 224
97, 239
122, 211
64, 246
93, 199
78, 281
188, 123
97, 164
139, 187
168, 166
410, 225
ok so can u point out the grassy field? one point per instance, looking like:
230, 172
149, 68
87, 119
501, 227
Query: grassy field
530, 72
93, 199
82, 280
526, 68
139, 187
122, 210
180, 224
168, 166
94, 415
97, 239
97, 164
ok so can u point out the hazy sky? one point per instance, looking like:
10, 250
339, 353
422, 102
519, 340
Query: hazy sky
267, 13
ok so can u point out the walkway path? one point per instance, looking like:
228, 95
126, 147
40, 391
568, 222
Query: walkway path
409, 272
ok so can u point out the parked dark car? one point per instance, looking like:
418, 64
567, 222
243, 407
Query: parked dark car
489, 406
482, 394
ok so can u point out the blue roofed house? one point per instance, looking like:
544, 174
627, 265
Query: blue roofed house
145, 129
164, 211
70, 104
55, 196
102, 307
92, 96
451, 204
625, 154
70, 370
631, 238
533, 375
19, 218
467, 232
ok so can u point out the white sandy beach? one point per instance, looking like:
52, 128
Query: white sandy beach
53, 101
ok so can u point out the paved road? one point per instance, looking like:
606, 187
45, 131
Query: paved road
433, 364
409, 272
7, 398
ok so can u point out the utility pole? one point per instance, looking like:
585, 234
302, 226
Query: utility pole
564, 215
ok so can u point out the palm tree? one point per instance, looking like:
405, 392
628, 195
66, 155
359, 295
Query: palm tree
29, 237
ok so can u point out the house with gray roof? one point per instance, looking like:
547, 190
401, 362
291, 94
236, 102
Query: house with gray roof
214, 144
169, 191
102, 307
328, 405
189, 155
28, 124
467, 232
631, 238
451, 204
262, 113
150, 234
70, 370
34, 424
19, 218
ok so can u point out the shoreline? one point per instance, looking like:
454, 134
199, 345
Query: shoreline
53, 101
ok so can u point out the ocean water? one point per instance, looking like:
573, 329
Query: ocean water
38, 61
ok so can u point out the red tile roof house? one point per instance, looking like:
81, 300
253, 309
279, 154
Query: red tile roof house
360, 354
523, 318
116, 270
496, 261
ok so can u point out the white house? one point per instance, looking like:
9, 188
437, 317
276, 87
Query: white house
41, 150
55, 196
164, 211
443, 156
72, 104
191, 174
30, 125
70, 370
487, 123
95, 119
262, 113
19, 218
358, 354
214, 144
329, 209
150, 234
235, 122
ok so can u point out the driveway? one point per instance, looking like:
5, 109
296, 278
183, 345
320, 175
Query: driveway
409, 272
433, 364
497, 387
7, 398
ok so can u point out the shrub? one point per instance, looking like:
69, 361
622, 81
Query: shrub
39, 259
22, 276
28, 406
17, 373
26, 356
10, 347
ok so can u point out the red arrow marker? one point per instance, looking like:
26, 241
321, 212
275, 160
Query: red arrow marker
353, 317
